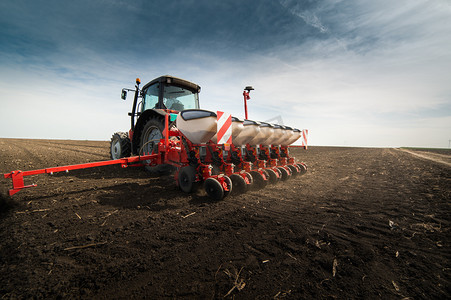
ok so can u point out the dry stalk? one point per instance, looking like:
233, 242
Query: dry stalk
334, 267
84, 246
238, 283
32, 211
395, 285
110, 213
184, 217
428, 227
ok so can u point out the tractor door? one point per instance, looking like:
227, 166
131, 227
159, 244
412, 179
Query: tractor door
150, 97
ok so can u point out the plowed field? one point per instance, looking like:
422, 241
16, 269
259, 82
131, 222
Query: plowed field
362, 223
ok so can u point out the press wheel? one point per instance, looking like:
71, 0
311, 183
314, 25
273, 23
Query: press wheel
187, 179
284, 173
214, 189
259, 180
273, 178
239, 184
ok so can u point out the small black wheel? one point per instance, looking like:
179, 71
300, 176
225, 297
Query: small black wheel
120, 145
229, 186
284, 173
273, 178
214, 189
303, 168
294, 171
187, 179
259, 180
239, 184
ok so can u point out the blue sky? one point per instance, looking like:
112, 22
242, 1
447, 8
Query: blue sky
355, 73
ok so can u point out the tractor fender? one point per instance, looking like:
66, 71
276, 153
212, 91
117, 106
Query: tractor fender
142, 120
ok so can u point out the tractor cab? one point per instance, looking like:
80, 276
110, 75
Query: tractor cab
163, 95
167, 92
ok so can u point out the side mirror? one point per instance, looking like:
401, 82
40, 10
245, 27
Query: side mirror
124, 94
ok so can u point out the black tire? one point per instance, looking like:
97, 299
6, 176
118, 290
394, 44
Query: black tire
120, 145
259, 181
187, 179
239, 184
284, 173
273, 178
294, 170
214, 189
229, 185
151, 134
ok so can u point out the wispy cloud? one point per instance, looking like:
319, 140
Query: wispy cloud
350, 71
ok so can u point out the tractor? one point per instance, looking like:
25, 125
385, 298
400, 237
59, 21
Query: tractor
161, 96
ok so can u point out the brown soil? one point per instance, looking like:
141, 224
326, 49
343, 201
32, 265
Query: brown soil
362, 223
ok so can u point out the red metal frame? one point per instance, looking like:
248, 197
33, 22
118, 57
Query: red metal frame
18, 175
246, 97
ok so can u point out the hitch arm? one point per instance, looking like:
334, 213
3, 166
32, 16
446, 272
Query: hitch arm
17, 176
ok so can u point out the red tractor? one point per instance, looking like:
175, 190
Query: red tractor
161, 96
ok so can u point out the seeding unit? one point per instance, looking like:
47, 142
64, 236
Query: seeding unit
204, 147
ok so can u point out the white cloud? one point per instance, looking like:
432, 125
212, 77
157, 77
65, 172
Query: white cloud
380, 79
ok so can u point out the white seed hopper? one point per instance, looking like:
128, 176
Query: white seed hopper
264, 133
280, 134
296, 134
250, 130
272, 134
198, 125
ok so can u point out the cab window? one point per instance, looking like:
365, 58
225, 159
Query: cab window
150, 100
178, 98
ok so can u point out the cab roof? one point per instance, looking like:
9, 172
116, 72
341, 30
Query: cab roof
175, 81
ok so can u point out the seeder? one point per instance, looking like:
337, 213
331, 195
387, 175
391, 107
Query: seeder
213, 149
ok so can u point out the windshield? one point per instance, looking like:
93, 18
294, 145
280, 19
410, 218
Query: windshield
178, 98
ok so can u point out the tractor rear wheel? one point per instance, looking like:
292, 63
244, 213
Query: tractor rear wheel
151, 135
120, 145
